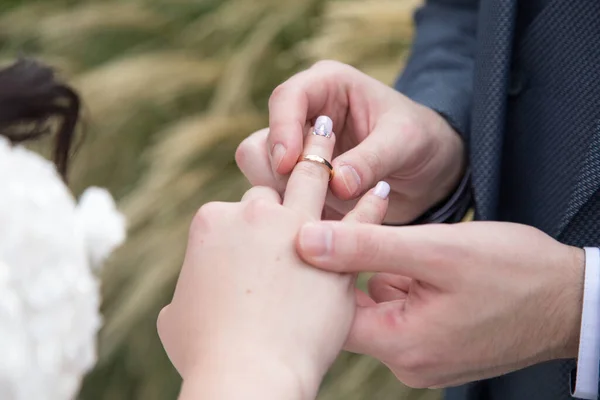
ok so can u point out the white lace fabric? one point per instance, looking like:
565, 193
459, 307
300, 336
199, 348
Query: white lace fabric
49, 293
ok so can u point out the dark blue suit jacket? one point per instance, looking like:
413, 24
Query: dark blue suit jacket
523, 88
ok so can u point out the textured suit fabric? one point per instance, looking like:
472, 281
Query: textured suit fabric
443, 55
521, 82
491, 82
549, 151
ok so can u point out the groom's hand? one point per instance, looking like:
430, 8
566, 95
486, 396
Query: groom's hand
457, 303
381, 135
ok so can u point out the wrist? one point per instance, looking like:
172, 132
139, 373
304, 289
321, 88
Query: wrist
572, 286
253, 377
445, 193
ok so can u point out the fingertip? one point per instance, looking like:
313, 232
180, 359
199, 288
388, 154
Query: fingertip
284, 156
289, 161
362, 166
285, 144
382, 190
346, 182
160, 319
252, 150
277, 156
372, 207
323, 126
315, 241
240, 153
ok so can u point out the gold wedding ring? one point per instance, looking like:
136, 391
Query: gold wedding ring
320, 160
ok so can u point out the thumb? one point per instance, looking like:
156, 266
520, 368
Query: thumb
351, 248
382, 153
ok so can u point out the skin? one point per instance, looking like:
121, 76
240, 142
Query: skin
246, 308
447, 304
452, 304
381, 134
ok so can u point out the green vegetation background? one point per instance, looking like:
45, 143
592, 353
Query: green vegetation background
170, 88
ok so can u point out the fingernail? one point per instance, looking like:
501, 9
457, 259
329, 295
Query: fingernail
316, 239
277, 155
323, 126
350, 178
382, 189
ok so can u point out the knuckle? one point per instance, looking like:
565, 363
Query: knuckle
201, 218
329, 66
412, 127
205, 215
252, 151
416, 365
416, 381
278, 93
412, 361
257, 210
242, 154
414, 133
161, 323
262, 192
245, 151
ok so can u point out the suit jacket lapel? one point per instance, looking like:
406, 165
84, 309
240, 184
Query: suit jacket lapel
492, 74
586, 84
588, 181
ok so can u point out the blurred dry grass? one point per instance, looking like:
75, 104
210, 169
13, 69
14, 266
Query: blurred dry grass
171, 87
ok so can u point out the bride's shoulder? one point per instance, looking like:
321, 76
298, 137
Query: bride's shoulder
24, 173
49, 295
38, 209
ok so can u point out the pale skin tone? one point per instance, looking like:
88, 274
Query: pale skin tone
249, 318
454, 304
449, 303
381, 134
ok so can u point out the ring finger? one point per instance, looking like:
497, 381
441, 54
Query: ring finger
309, 181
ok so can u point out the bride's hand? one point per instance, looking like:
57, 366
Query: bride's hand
249, 319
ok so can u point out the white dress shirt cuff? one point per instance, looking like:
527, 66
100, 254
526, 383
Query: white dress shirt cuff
586, 383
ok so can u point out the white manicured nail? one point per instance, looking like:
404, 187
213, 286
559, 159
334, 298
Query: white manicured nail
382, 189
323, 126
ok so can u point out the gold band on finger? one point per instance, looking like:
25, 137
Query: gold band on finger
320, 160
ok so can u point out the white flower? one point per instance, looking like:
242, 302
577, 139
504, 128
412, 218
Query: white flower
49, 295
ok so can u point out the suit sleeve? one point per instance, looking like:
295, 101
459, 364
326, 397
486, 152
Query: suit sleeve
439, 72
